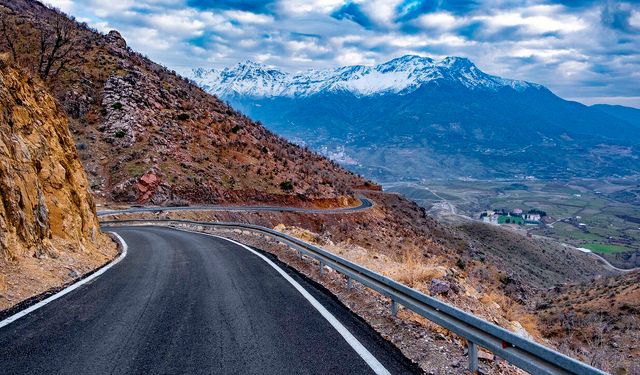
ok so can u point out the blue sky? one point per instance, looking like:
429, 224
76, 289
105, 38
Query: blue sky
583, 50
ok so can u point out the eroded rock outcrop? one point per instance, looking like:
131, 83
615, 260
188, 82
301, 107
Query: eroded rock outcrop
49, 231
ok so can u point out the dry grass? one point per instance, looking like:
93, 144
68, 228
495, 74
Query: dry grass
409, 267
413, 269
597, 322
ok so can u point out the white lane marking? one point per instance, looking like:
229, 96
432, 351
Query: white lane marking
366, 355
70, 288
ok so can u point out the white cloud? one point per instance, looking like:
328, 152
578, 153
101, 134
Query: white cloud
248, 17
440, 21
64, 5
383, 12
341, 40
103, 27
547, 55
634, 19
353, 57
534, 24
104, 9
179, 23
308, 45
303, 7
570, 69
417, 41
149, 39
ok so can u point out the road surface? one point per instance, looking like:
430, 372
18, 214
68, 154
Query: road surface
364, 205
188, 303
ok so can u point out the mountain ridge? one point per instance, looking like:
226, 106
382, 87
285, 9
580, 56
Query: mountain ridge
401, 76
628, 114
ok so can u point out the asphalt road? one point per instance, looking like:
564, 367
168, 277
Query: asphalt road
187, 303
364, 204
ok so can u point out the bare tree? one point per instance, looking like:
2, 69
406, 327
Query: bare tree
57, 39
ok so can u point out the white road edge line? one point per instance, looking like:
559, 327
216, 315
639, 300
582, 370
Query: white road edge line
365, 354
70, 288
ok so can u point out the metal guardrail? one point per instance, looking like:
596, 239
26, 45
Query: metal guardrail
521, 352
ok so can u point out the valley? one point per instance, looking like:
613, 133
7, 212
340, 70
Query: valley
599, 215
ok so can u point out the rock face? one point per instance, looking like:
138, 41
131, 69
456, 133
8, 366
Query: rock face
116, 39
438, 286
49, 231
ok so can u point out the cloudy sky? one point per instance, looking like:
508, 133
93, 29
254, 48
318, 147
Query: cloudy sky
581, 49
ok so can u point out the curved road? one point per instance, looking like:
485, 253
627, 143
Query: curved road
188, 303
606, 263
364, 204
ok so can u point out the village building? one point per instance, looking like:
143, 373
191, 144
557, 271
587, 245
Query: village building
532, 217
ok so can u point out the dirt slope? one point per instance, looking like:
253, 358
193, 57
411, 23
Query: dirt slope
145, 134
49, 232
599, 321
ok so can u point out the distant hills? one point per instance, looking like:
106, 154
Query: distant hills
415, 117
628, 114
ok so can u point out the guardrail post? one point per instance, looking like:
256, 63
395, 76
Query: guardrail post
321, 268
349, 283
473, 356
394, 308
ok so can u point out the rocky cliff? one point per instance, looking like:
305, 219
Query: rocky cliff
49, 232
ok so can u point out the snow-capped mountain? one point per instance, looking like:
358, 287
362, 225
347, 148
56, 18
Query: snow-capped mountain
398, 76
415, 117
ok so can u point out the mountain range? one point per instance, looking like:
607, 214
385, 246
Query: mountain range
415, 117
398, 76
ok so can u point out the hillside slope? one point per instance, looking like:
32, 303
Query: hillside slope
145, 134
628, 114
49, 232
598, 320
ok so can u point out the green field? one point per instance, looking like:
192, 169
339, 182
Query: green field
503, 219
605, 248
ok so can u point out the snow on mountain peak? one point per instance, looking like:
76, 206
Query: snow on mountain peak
400, 75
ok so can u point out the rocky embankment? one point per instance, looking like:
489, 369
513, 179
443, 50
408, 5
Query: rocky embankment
49, 232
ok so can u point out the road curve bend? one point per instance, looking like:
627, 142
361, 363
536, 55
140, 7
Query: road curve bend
365, 204
189, 303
